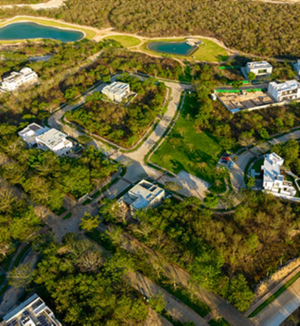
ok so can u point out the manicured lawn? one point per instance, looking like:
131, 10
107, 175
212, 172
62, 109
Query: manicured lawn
89, 32
209, 52
67, 216
126, 41
221, 322
274, 296
197, 152
257, 165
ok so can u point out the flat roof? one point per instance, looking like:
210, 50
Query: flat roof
259, 64
272, 164
287, 85
52, 137
116, 87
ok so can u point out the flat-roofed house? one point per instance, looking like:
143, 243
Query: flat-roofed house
273, 181
32, 312
30, 132
55, 141
289, 90
116, 91
17, 79
261, 68
46, 139
143, 195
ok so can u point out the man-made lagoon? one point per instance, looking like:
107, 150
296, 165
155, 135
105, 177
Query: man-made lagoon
179, 48
23, 31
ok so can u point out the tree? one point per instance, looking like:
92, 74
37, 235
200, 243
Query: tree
239, 293
175, 142
211, 200
246, 138
264, 133
250, 183
20, 276
182, 131
158, 302
251, 76
88, 222
237, 84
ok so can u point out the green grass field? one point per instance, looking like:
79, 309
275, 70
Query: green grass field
210, 52
196, 152
126, 41
89, 32
220, 322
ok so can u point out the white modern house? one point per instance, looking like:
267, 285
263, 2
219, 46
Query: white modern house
273, 181
143, 195
296, 67
261, 68
289, 90
116, 91
32, 312
17, 79
46, 139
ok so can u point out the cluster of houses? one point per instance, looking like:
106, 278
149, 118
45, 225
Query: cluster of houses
32, 312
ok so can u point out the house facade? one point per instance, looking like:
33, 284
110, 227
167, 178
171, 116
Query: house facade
116, 91
32, 312
261, 68
273, 181
289, 90
17, 79
46, 139
143, 195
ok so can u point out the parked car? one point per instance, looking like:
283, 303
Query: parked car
225, 158
231, 164
235, 158
224, 161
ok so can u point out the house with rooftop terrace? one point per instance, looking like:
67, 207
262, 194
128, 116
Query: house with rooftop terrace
32, 312
261, 68
16, 79
116, 91
289, 90
273, 181
143, 195
46, 139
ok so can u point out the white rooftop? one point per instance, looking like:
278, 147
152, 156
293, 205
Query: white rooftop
52, 137
286, 86
259, 64
272, 164
33, 127
116, 87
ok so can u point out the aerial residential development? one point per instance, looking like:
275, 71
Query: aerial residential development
149, 163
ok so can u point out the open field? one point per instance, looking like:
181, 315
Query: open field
89, 33
194, 152
209, 52
126, 41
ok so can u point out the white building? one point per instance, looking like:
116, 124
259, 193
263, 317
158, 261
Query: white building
116, 91
273, 181
296, 67
289, 90
32, 312
46, 139
261, 68
143, 195
17, 79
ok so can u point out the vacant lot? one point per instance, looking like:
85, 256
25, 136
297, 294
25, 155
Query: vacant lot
189, 150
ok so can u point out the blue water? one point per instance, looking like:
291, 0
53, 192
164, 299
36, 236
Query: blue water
21, 31
180, 48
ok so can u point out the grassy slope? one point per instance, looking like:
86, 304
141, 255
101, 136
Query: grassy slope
209, 52
89, 33
205, 146
126, 41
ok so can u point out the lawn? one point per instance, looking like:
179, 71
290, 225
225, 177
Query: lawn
126, 41
274, 296
220, 322
257, 165
195, 152
67, 216
209, 51
89, 32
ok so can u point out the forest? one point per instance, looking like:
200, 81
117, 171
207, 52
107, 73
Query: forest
247, 245
266, 29
45, 176
121, 123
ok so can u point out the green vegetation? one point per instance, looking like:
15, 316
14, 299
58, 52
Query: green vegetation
21, 255
275, 295
257, 165
59, 211
2, 278
67, 216
189, 149
121, 123
218, 322
126, 41
102, 239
